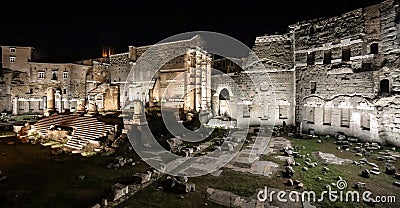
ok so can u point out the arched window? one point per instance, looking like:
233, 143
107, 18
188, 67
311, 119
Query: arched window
224, 95
54, 76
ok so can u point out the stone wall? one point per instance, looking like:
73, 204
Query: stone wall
341, 65
275, 80
120, 66
20, 55
275, 47
29, 90
352, 115
5, 90
389, 116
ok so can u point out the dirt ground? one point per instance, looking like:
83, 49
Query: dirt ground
36, 178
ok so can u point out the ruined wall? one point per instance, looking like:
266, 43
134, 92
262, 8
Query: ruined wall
30, 91
170, 68
120, 66
341, 63
256, 97
230, 106
275, 47
389, 117
389, 23
5, 90
277, 76
226, 65
352, 115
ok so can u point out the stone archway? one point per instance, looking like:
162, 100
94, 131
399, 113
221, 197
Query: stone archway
224, 102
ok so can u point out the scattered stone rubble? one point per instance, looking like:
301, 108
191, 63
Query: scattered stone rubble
359, 185
121, 192
120, 162
179, 184
141, 178
118, 191
229, 199
328, 158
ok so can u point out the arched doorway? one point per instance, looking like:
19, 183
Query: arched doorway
224, 103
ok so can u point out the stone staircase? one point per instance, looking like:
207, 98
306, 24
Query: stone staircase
76, 143
85, 129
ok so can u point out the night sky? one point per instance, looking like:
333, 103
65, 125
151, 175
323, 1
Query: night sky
78, 28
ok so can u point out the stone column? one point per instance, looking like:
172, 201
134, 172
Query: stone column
44, 102
208, 85
215, 104
58, 101
15, 106
50, 101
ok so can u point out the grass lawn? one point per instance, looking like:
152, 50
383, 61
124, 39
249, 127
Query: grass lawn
248, 185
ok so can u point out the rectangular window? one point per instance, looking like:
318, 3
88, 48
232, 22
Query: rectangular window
327, 116
41, 75
12, 50
346, 54
12, 59
283, 112
310, 58
65, 75
345, 117
54, 75
313, 87
327, 57
365, 121
65, 91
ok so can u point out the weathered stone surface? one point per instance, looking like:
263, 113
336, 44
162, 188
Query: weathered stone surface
366, 173
359, 185
290, 182
329, 158
390, 170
